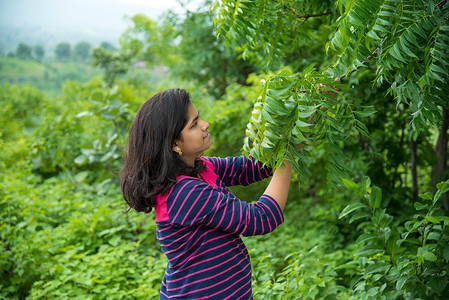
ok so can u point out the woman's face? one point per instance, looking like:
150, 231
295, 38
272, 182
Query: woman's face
195, 138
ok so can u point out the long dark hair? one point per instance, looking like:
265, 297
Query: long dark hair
150, 165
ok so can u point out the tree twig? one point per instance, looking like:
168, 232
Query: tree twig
307, 16
440, 3
363, 63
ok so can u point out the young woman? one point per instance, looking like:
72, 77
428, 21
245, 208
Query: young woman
199, 222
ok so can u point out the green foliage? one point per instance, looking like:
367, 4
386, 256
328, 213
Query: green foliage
18, 108
402, 36
24, 51
246, 24
57, 142
63, 233
269, 30
174, 42
63, 51
113, 63
82, 51
299, 259
39, 52
395, 259
216, 66
47, 75
82, 243
227, 126
106, 153
294, 109
149, 40
87, 132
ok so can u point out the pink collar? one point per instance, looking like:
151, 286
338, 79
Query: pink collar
208, 174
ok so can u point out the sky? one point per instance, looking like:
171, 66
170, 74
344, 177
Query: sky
95, 17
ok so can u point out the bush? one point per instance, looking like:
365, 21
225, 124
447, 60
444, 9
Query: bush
82, 243
19, 108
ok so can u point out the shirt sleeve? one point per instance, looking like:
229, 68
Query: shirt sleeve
198, 203
239, 170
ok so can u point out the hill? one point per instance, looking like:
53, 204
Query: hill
46, 75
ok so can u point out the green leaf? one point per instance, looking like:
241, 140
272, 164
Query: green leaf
373, 35
279, 91
394, 51
438, 284
367, 184
351, 185
359, 215
302, 124
442, 218
349, 265
376, 197
81, 159
365, 237
426, 196
98, 96
446, 253
355, 21
268, 117
378, 267
378, 27
115, 240
369, 250
419, 206
385, 13
443, 186
306, 114
432, 219
401, 282
350, 208
429, 256
362, 128
364, 114
277, 105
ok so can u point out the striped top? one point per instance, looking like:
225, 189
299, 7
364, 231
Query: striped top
199, 223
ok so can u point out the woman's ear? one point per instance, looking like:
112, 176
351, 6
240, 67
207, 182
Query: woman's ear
177, 149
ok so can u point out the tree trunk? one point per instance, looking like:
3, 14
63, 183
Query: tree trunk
401, 144
414, 167
441, 152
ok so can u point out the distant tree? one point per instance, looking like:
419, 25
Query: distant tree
215, 66
113, 63
108, 46
23, 51
149, 40
39, 52
189, 47
63, 51
82, 50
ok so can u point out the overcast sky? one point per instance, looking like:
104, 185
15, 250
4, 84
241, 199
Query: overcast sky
85, 14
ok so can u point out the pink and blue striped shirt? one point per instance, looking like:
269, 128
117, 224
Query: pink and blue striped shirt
199, 223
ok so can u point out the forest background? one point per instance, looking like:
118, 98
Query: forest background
367, 216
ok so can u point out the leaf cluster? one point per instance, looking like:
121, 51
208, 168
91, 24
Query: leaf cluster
400, 37
268, 30
295, 109
407, 260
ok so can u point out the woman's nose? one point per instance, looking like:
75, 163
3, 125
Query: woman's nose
205, 125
